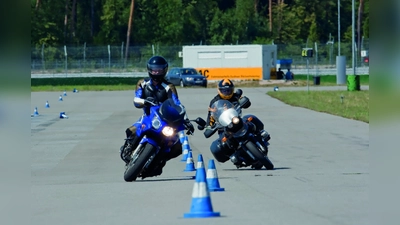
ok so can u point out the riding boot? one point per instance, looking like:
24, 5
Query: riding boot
126, 150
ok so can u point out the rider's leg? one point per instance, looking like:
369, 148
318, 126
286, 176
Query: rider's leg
131, 142
259, 127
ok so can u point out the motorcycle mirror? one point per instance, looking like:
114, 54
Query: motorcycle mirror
200, 121
209, 132
239, 92
244, 102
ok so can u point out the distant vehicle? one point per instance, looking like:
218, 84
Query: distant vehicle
186, 77
366, 60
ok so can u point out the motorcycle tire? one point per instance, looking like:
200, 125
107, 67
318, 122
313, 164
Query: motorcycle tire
136, 164
259, 155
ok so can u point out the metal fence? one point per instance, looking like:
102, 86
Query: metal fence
111, 59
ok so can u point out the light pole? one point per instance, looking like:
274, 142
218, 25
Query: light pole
353, 38
338, 2
340, 60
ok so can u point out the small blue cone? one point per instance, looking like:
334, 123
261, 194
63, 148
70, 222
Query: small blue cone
47, 104
276, 88
185, 148
200, 169
75, 91
182, 136
65, 93
35, 112
189, 163
63, 116
201, 202
212, 177
60, 98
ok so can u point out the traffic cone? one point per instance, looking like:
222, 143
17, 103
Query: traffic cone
65, 93
185, 148
75, 91
47, 104
63, 116
212, 177
181, 136
200, 170
276, 88
60, 98
201, 202
189, 163
35, 112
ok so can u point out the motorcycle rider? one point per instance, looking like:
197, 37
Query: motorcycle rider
153, 89
226, 91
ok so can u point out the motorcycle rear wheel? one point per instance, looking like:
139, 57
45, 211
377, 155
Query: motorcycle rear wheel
259, 155
136, 164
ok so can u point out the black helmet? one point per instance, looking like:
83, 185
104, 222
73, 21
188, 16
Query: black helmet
157, 68
225, 89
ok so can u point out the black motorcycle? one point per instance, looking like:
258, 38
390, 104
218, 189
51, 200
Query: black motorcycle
247, 147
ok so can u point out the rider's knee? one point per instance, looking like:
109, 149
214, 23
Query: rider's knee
255, 121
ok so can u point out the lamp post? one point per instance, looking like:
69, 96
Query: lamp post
338, 2
353, 38
340, 60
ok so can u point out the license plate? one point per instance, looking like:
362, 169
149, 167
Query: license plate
198, 81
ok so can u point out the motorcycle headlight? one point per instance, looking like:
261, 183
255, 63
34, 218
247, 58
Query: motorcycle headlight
155, 122
168, 131
235, 120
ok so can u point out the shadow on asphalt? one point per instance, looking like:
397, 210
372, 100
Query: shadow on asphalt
250, 169
152, 179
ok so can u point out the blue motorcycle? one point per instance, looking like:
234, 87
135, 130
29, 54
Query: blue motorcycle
158, 132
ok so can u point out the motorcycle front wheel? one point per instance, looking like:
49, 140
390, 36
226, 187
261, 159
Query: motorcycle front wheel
138, 161
259, 155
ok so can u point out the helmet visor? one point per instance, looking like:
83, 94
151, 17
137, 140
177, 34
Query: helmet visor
157, 69
226, 90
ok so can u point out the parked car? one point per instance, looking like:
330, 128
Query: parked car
186, 77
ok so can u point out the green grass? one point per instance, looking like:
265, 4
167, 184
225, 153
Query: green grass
355, 104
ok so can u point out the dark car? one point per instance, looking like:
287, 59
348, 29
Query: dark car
186, 77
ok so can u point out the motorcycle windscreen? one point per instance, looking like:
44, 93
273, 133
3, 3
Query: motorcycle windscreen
226, 116
170, 112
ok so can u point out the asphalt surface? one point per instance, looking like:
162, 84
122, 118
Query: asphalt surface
321, 163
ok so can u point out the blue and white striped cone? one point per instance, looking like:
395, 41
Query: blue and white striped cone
189, 163
212, 177
35, 112
65, 93
60, 98
200, 166
181, 136
201, 202
47, 104
185, 148
63, 116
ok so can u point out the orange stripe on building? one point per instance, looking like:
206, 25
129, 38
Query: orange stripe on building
232, 73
